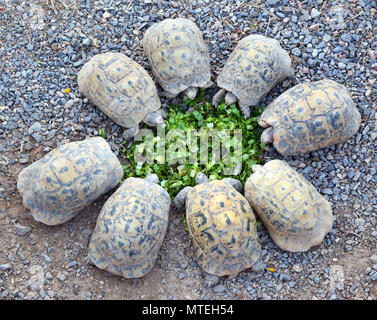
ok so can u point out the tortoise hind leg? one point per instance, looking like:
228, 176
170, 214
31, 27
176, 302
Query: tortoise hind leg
208, 84
130, 132
245, 110
259, 266
230, 98
218, 97
180, 198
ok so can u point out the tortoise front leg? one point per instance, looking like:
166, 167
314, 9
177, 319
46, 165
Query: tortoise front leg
130, 132
267, 135
191, 92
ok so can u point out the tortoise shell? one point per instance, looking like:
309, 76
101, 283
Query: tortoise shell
311, 116
223, 229
254, 67
296, 215
178, 55
67, 179
120, 87
131, 228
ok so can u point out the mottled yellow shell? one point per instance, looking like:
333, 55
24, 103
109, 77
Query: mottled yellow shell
67, 179
223, 230
131, 228
296, 215
120, 87
178, 55
254, 67
311, 116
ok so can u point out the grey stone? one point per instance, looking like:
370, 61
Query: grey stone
315, 13
42, 293
61, 277
38, 138
35, 127
72, 264
46, 257
296, 52
219, 288
327, 191
373, 259
21, 230
49, 276
5, 267
359, 222
86, 42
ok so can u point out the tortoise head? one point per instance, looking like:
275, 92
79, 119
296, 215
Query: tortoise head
153, 119
201, 178
152, 178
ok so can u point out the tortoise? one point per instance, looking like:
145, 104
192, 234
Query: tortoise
222, 226
122, 89
67, 179
254, 67
131, 228
310, 116
179, 57
295, 214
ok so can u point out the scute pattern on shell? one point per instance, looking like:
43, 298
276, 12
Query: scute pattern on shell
254, 67
131, 228
67, 179
178, 55
222, 226
120, 87
296, 215
312, 116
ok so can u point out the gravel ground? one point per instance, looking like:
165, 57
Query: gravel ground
43, 45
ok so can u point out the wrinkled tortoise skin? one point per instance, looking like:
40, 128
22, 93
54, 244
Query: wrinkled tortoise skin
295, 214
120, 87
178, 55
254, 67
311, 116
223, 230
67, 179
131, 228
